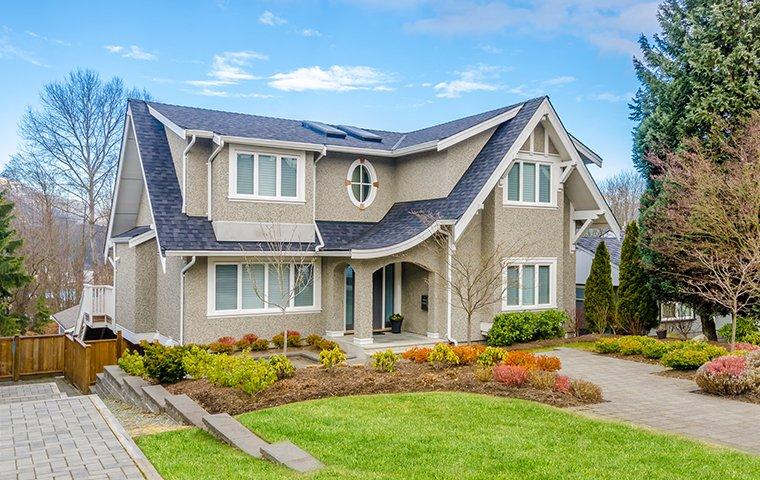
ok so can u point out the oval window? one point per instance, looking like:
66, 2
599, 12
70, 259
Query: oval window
361, 183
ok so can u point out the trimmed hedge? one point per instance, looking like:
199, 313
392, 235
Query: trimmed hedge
521, 327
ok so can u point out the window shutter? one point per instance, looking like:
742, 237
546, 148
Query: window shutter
529, 285
513, 183
529, 182
226, 287
288, 177
543, 284
304, 276
544, 183
252, 286
279, 290
267, 175
245, 174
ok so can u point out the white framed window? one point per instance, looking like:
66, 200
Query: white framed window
530, 183
266, 176
244, 288
361, 183
529, 284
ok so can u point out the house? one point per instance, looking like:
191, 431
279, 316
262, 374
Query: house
208, 203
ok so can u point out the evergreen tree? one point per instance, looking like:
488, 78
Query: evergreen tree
41, 315
12, 272
637, 307
599, 298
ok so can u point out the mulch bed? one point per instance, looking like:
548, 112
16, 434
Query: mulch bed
312, 383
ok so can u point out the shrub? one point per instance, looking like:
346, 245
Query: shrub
196, 361
691, 355
607, 345
541, 380
656, 349
384, 361
442, 356
246, 341
162, 363
520, 327
484, 373
240, 371
723, 376
521, 358
324, 344
561, 384
634, 344
313, 339
510, 375
219, 347
259, 345
753, 360
132, 363
416, 354
282, 366
753, 338
332, 358
226, 340
746, 347
468, 354
586, 391
491, 356
745, 326
548, 363
294, 339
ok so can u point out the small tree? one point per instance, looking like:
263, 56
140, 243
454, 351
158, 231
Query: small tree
637, 308
41, 316
599, 298
12, 273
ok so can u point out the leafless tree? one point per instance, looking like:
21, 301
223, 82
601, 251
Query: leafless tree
623, 193
73, 139
476, 281
712, 225
288, 266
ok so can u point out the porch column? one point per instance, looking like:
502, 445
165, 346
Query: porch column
362, 305
435, 310
334, 290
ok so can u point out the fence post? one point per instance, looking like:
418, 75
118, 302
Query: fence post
87, 369
16, 358
119, 345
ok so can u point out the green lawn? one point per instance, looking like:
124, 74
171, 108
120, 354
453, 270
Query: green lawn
588, 346
447, 435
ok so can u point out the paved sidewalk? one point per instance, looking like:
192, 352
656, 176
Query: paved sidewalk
634, 393
68, 438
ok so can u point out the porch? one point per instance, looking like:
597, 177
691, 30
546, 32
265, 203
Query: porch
396, 342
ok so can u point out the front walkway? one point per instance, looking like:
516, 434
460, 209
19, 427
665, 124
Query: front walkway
634, 393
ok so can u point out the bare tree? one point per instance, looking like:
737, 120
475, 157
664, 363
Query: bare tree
476, 282
623, 193
283, 274
710, 231
74, 139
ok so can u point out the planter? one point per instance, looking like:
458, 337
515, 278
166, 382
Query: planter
662, 334
396, 319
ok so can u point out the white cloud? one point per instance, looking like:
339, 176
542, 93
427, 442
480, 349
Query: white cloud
563, 80
610, 97
134, 52
489, 48
269, 18
478, 78
47, 39
229, 68
337, 78
10, 51
208, 92
310, 32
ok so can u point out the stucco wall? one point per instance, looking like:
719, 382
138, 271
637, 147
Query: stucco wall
125, 286
196, 170
144, 215
414, 281
167, 297
146, 257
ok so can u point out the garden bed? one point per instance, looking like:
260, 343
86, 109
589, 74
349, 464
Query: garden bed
313, 383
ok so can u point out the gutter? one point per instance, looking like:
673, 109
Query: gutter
314, 201
184, 173
449, 252
208, 176
182, 299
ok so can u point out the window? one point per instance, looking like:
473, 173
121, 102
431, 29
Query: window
261, 287
361, 183
529, 182
529, 284
266, 176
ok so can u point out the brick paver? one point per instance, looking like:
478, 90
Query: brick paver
634, 394
74, 437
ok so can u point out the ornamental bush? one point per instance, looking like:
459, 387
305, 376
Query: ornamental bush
511, 375
724, 376
282, 366
691, 355
541, 380
294, 339
753, 338
416, 354
491, 356
521, 327
259, 345
132, 363
442, 356
385, 361
548, 363
607, 345
246, 341
634, 344
332, 358
222, 347
163, 363
745, 326
586, 391
241, 371
521, 358
745, 347
656, 350
196, 361
561, 384
468, 354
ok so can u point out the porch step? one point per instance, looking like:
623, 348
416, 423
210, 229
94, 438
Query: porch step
155, 397
227, 429
290, 455
133, 389
184, 409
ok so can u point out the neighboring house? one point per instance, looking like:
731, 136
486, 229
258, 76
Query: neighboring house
201, 193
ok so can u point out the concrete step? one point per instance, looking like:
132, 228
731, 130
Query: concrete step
184, 409
290, 455
115, 375
155, 397
108, 386
229, 430
133, 390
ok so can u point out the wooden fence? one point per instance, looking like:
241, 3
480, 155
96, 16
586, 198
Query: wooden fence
48, 355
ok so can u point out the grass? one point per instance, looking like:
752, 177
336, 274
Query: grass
447, 435
588, 346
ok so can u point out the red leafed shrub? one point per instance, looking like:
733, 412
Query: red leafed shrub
511, 375
246, 340
728, 365
294, 339
724, 376
548, 363
417, 354
520, 358
468, 354
227, 340
561, 384
219, 347
747, 347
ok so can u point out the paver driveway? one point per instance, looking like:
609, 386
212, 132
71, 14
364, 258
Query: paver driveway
64, 437
634, 393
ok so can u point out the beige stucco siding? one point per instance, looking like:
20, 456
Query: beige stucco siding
136, 279
124, 279
168, 297
144, 215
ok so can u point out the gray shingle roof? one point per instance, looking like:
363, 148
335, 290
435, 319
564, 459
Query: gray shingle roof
178, 231
132, 232
613, 246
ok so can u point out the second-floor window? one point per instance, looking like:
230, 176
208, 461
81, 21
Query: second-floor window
266, 176
529, 182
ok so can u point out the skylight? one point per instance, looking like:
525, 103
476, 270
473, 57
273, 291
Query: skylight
323, 128
361, 134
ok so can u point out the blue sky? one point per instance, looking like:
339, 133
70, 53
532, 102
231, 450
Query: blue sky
386, 64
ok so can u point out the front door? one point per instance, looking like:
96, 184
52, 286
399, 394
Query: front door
383, 296
377, 300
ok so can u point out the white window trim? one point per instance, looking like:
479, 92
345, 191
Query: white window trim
373, 181
277, 198
538, 161
535, 261
211, 310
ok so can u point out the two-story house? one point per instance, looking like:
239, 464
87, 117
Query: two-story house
202, 197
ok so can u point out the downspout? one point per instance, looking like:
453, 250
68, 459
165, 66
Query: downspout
182, 299
321, 244
208, 175
184, 173
113, 260
449, 253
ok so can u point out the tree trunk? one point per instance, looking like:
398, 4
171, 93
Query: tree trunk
469, 329
284, 337
708, 324
733, 329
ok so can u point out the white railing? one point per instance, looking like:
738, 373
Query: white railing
96, 301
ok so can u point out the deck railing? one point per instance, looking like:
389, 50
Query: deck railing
96, 306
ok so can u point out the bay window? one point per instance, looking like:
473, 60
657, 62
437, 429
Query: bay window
529, 284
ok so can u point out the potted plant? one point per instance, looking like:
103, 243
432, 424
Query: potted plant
662, 331
396, 320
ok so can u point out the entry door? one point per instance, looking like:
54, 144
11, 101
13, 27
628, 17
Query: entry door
377, 300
